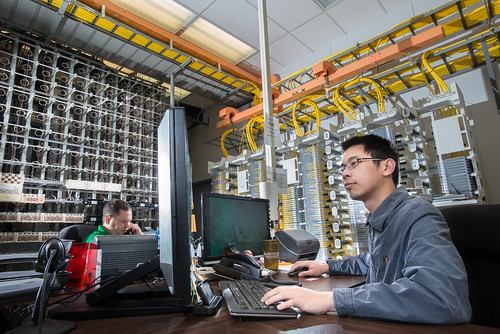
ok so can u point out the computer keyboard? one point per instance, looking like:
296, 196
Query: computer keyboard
243, 300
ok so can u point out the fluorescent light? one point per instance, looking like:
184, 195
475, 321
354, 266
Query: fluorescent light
217, 41
164, 13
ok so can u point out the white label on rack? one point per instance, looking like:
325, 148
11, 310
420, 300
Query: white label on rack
328, 149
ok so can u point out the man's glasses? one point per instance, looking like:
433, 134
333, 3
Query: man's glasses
351, 164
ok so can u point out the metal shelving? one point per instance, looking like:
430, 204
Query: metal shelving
75, 128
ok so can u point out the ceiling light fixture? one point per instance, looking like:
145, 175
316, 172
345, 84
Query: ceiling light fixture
164, 13
211, 38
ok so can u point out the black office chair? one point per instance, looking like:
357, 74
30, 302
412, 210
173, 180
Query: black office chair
475, 231
77, 232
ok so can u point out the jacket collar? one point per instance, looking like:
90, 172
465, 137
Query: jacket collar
378, 218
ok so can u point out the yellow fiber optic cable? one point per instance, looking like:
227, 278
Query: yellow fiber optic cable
309, 102
249, 131
443, 87
224, 135
256, 96
341, 105
378, 91
241, 145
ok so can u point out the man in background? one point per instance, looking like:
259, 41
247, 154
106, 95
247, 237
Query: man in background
116, 219
413, 271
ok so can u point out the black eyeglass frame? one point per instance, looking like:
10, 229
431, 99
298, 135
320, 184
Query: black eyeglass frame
351, 164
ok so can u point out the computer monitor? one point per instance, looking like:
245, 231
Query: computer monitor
243, 221
175, 200
174, 184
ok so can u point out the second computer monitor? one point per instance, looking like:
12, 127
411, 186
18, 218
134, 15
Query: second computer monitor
243, 221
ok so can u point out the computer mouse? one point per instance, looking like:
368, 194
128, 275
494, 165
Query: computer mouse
296, 272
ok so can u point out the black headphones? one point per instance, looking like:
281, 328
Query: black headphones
59, 260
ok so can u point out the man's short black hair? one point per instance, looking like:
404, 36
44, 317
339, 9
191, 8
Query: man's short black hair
378, 148
114, 206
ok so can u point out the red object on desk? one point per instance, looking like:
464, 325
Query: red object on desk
77, 265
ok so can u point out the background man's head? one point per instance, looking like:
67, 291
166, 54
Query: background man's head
378, 148
116, 216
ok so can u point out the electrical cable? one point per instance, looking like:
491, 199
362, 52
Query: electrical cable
224, 135
256, 96
341, 105
249, 131
276, 282
48, 278
442, 86
306, 100
79, 293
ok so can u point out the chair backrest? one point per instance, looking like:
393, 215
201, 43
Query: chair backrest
475, 231
77, 232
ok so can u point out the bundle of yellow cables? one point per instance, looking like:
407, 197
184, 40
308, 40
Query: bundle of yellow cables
317, 113
345, 108
442, 86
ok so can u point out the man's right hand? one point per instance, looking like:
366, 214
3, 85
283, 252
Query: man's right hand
313, 268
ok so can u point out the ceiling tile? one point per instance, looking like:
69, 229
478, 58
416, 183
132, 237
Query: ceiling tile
353, 14
197, 6
318, 32
288, 49
391, 5
292, 13
273, 64
240, 19
422, 6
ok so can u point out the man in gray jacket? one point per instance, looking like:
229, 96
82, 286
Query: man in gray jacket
413, 271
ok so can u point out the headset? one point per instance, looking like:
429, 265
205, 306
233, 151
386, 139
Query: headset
52, 247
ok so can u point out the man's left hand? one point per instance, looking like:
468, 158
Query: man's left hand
135, 229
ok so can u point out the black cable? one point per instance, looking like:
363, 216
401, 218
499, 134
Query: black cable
277, 283
79, 293
151, 288
18, 312
43, 296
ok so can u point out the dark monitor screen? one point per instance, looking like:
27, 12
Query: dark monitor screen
243, 221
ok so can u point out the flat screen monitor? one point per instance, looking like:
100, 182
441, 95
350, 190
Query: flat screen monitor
243, 221
175, 200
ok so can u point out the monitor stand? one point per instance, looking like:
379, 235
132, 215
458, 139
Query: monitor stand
117, 308
118, 299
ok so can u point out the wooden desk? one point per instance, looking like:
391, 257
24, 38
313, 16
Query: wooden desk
222, 322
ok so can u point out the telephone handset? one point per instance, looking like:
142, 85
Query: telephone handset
231, 252
238, 265
129, 232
